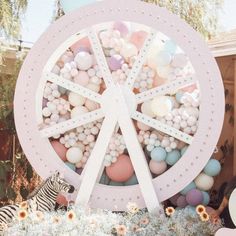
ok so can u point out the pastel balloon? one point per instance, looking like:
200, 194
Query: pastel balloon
204, 182
178, 96
212, 168
170, 46
59, 149
172, 157
71, 5
44, 103
82, 45
113, 183
79, 170
81, 78
83, 60
129, 50
173, 199
76, 99
146, 109
70, 165
122, 170
74, 155
115, 62
194, 197
181, 202
138, 38
163, 58
157, 168
132, 181
161, 106
77, 111
206, 198
183, 150
189, 88
189, 187
62, 90
142, 126
158, 154
91, 105
121, 27
61, 200
104, 179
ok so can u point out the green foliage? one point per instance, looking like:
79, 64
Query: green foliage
202, 15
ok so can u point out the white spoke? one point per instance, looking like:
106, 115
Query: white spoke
100, 57
62, 127
162, 127
76, 88
165, 89
137, 157
95, 161
140, 60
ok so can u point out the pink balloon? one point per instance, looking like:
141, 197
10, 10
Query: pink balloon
121, 27
174, 199
181, 201
61, 200
45, 101
82, 78
157, 167
122, 170
82, 44
59, 149
138, 38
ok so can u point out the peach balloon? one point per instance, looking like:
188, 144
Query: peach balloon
158, 81
61, 200
122, 170
138, 38
157, 167
82, 43
59, 149
190, 88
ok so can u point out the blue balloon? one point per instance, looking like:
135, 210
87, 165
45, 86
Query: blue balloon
158, 154
113, 183
104, 179
70, 5
212, 168
70, 165
183, 150
170, 46
132, 181
178, 96
172, 157
189, 187
206, 198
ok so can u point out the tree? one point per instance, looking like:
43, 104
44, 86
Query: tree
202, 15
10, 17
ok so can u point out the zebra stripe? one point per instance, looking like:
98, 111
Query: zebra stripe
42, 199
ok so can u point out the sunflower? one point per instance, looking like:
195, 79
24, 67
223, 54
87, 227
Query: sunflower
22, 214
200, 209
144, 221
56, 219
121, 230
23, 205
204, 216
170, 211
70, 215
132, 208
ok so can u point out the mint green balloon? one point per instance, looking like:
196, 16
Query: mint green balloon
113, 183
70, 165
132, 181
71, 5
172, 157
189, 187
104, 179
212, 168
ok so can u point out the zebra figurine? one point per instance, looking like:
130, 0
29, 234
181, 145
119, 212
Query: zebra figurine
42, 198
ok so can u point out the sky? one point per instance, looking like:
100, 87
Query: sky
39, 16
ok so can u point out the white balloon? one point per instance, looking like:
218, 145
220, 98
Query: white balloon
204, 182
161, 106
232, 206
146, 109
76, 99
77, 111
74, 155
83, 60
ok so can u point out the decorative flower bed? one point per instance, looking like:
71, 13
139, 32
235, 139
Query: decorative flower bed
80, 221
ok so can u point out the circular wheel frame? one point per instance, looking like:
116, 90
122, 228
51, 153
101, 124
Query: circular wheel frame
62, 34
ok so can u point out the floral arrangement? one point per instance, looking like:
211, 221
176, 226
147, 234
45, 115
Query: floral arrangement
85, 221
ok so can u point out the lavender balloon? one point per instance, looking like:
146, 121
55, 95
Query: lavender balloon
115, 62
194, 197
121, 27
